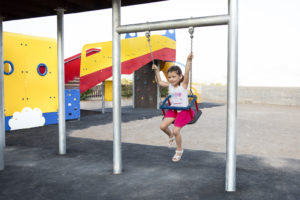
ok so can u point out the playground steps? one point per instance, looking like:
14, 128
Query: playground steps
73, 84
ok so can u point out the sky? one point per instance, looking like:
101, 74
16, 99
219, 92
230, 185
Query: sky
269, 37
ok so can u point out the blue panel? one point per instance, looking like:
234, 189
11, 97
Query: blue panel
171, 35
129, 36
51, 118
72, 104
6, 123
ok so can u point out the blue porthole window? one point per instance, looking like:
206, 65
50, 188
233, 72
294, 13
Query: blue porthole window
42, 69
8, 67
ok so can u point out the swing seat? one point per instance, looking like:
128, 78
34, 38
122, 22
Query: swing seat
196, 117
166, 105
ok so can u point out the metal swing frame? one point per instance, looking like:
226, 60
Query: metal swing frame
230, 19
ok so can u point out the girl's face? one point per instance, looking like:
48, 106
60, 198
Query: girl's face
174, 78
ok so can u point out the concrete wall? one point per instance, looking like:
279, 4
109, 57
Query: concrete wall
266, 95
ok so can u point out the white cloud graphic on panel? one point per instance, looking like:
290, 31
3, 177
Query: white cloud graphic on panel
27, 118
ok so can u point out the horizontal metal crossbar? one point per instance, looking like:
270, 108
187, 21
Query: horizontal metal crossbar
175, 24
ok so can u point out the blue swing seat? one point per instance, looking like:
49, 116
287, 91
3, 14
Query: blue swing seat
166, 105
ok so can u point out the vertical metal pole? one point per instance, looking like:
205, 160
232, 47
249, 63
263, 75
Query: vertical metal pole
232, 85
116, 42
103, 97
157, 97
133, 91
61, 81
157, 90
2, 114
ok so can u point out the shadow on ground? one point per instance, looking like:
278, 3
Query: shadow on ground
130, 114
86, 173
34, 171
45, 136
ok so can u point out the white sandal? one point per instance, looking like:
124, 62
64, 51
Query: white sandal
177, 157
171, 140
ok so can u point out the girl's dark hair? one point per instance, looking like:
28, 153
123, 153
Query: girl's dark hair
176, 69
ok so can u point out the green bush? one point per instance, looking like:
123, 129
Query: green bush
164, 91
85, 94
126, 90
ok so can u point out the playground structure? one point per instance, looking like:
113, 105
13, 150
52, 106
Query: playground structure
30, 83
94, 65
230, 19
33, 81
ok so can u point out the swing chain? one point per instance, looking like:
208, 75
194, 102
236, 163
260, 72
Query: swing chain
148, 39
191, 31
147, 33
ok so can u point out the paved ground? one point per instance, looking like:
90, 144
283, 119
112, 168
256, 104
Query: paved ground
268, 161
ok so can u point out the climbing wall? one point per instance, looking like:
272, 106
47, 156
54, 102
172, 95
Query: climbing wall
145, 87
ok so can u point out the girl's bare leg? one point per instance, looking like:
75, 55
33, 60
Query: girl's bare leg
176, 132
164, 126
179, 149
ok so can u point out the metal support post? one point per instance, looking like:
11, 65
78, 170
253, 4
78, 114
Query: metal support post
232, 85
158, 98
61, 81
116, 42
133, 91
2, 113
103, 97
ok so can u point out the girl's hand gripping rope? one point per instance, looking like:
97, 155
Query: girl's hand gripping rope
190, 57
154, 67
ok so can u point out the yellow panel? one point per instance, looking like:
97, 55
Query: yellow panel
130, 48
25, 87
14, 89
195, 92
108, 96
97, 61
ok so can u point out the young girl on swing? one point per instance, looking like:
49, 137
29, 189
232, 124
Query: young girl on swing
179, 98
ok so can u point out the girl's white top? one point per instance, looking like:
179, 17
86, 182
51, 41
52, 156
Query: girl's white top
179, 96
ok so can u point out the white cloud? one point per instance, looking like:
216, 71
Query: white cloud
27, 118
